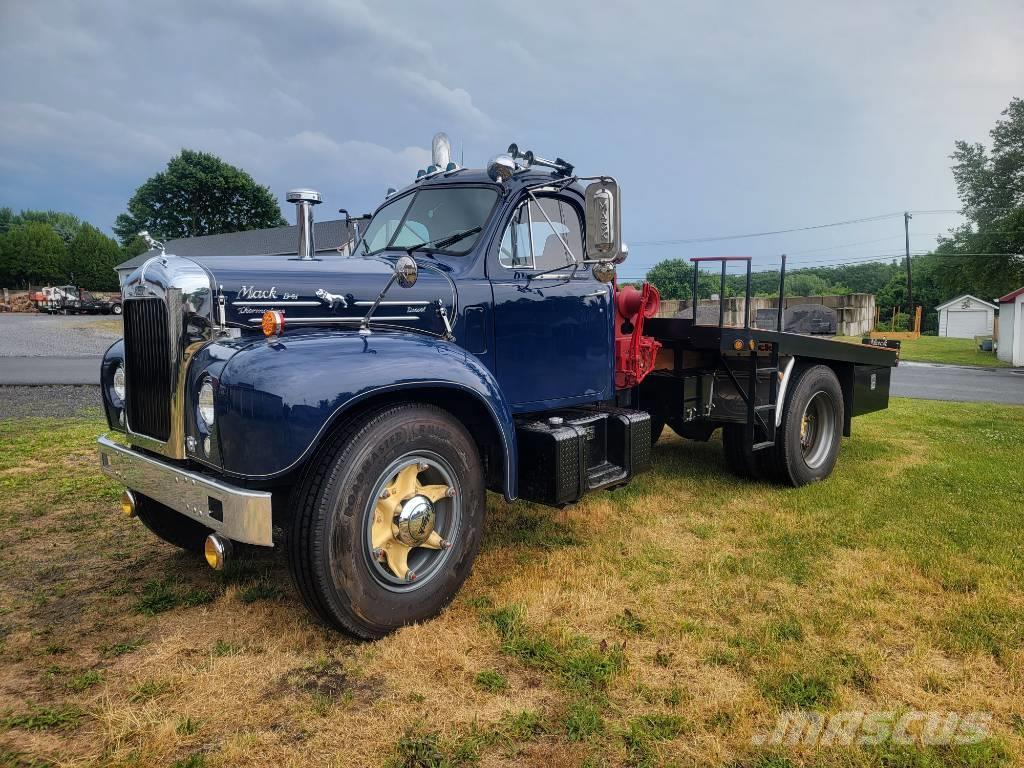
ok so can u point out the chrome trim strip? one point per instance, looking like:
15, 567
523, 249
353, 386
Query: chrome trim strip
392, 304
246, 514
277, 303
335, 320
780, 397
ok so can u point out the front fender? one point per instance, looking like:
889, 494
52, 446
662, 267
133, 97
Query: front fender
276, 400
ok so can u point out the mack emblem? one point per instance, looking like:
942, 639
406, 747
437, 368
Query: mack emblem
251, 292
486, 353
333, 300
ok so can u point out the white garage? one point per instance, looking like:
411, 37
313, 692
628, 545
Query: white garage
966, 317
1011, 327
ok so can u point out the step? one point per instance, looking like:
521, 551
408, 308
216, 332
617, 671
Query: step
770, 369
762, 446
604, 474
765, 407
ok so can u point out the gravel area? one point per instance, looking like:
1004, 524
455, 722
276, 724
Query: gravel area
36, 335
60, 401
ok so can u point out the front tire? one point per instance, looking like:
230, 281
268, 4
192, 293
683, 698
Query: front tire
364, 554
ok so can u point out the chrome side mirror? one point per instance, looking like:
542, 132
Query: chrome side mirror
623, 254
604, 221
501, 168
406, 271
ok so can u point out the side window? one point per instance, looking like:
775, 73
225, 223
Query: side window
515, 251
534, 237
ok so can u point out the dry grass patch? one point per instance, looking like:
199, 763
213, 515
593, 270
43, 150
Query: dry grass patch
664, 623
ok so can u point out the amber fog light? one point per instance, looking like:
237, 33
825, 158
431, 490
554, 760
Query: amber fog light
128, 504
217, 551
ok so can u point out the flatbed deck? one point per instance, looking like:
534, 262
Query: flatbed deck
683, 333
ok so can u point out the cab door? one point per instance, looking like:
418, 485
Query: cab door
552, 324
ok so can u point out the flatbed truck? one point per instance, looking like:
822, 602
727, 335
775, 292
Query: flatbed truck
356, 409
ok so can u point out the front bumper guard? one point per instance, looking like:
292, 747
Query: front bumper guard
236, 513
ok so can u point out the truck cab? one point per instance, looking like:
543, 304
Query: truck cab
354, 410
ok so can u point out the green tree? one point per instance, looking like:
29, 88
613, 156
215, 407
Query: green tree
674, 280
92, 258
64, 224
807, 284
32, 253
991, 187
198, 194
6, 219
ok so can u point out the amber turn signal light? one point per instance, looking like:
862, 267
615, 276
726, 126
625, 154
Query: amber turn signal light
273, 322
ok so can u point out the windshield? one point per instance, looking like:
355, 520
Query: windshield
430, 215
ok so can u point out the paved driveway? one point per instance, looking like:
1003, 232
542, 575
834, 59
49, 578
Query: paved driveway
958, 382
54, 349
44, 349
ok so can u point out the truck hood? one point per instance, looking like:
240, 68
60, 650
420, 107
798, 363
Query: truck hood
326, 290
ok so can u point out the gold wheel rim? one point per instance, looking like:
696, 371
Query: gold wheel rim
386, 533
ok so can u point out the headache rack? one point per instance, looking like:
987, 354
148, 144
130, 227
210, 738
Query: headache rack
760, 431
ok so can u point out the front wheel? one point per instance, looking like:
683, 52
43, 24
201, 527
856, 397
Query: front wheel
116, 309
387, 522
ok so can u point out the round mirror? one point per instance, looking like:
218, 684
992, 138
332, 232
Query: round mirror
501, 168
406, 271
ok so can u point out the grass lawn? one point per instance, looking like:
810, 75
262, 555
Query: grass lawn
666, 623
938, 349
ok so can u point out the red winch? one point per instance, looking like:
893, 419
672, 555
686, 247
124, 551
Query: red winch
634, 352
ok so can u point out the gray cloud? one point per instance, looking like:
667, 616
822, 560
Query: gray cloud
716, 118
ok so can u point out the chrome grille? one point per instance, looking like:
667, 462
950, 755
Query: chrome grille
147, 352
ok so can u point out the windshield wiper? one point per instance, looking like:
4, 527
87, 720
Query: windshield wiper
443, 242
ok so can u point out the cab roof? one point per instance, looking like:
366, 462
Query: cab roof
479, 176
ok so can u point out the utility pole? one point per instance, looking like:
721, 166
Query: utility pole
910, 281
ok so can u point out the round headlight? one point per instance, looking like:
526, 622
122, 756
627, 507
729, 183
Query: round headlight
206, 403
119, 388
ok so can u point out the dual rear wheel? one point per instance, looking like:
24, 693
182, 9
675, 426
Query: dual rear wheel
806, 441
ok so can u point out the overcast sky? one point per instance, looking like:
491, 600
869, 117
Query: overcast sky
715, 120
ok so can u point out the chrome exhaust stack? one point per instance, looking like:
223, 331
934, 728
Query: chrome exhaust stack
304, 200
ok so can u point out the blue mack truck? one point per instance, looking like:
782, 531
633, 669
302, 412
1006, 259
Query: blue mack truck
356, 409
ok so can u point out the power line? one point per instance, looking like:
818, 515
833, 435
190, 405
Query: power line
692, 240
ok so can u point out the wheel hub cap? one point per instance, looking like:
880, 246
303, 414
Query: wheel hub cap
414, 522
404, 518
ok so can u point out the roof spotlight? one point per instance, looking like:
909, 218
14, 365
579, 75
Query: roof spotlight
501, 168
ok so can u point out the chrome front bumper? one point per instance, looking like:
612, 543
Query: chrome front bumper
236, 513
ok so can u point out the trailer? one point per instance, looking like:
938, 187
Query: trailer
72, 300
355, 409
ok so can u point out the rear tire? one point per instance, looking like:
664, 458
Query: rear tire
332, 562
173, 527
806, 450
741, 461
116, 309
